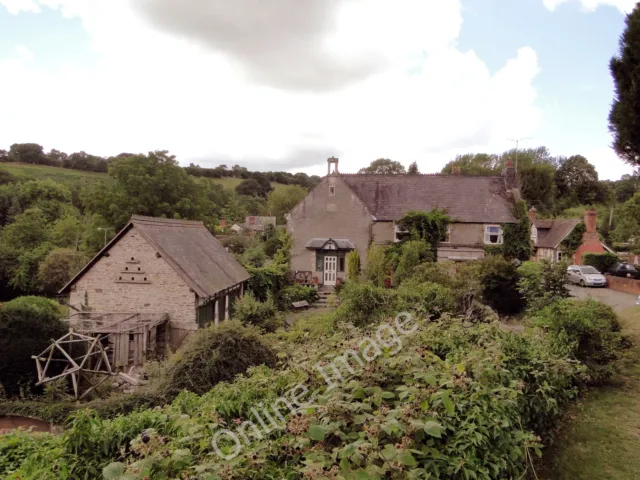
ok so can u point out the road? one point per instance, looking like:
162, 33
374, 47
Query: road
618, 300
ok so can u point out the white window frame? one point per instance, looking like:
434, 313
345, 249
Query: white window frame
332, 191
487, 235
398, 231
447, 236
534, 234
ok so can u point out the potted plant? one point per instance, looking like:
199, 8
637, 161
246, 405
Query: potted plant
315, 280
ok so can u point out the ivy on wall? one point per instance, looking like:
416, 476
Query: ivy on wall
428, 226
574, 239
517, 236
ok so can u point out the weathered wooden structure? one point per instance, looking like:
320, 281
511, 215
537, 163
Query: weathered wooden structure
100, 346
130, 338
87, 370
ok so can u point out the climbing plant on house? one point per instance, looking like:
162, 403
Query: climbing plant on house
574, 239
428, 226
517, 236
353, 265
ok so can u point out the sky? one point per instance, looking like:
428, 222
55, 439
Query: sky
285, 84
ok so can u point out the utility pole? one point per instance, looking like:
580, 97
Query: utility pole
105, 234
518, 140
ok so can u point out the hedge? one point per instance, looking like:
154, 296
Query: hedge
600, 261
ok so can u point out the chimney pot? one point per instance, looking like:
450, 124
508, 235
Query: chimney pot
509, 164
533, 214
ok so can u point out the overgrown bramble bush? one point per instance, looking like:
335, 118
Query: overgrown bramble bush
542, 283
263, 315
587, 330
214, 355
296, 293
450, 401
428, 300
363, 304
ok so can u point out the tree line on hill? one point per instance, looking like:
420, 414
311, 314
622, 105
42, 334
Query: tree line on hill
34, 154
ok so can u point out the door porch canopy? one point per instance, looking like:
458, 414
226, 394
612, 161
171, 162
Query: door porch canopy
330, 244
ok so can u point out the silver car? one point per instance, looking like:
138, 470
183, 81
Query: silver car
586, 276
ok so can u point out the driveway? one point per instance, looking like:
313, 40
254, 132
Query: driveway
618, 300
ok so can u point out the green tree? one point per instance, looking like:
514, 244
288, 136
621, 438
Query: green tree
384, 166
27, 153
428, 226
67, 232
153, 185
475, 164
27, 231
577, 181
624, 117
537, 185
281, 201
249, 187
413, 169
59, 266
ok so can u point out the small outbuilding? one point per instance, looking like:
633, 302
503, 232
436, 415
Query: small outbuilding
157, 268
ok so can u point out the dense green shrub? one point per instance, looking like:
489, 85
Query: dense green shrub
263, 315
254, 255
600, 261
213, 355
364, 304
353, 265
414, 253
235, 243
542, 283
377, 265
296, 293
426, 299
499, 285
27, 325
267, 280
586, 329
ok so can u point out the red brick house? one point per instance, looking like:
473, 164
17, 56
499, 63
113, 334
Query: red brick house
548, 236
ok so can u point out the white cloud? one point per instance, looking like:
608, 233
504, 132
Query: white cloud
625, 6
17, 6
207, 98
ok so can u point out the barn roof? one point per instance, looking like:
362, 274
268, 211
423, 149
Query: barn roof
467, 199
191, 250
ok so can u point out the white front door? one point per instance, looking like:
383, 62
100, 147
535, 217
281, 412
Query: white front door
330, 268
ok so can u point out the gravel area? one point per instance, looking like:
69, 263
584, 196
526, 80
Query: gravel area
618, 300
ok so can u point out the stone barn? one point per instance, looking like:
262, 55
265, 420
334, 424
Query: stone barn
157, 267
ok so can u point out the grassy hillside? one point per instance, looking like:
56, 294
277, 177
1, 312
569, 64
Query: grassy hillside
65, 175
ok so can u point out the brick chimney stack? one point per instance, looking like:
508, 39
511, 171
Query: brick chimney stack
591, 221
590, 240
455, 170
510, 177
533, 214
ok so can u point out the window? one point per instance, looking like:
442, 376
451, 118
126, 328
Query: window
493, 234
341, 264
534, 234
400, 233
447, 235
332, 191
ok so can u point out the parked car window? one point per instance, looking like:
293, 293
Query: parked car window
589, 270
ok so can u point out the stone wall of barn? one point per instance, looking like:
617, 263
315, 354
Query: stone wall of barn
133, 278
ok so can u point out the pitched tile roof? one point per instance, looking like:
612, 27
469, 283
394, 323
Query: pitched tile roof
467, 199
189, 248
552, 232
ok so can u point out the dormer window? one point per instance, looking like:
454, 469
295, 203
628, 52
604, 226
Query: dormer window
332, 191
